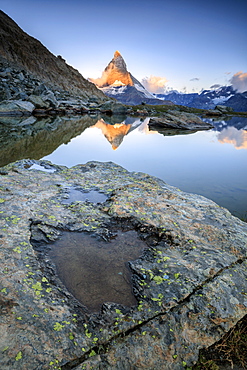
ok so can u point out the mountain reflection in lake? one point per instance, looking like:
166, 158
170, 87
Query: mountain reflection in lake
115, 133
211, 163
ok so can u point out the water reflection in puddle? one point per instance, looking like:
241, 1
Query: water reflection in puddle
95, 271
75, 195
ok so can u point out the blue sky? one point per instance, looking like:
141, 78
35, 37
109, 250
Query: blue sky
192, 44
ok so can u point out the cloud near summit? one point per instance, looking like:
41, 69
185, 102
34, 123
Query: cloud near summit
154, 84
239, 81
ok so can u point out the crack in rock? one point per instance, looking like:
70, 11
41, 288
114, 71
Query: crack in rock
104, 347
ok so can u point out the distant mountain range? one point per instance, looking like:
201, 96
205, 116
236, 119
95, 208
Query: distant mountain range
116, 82
208, 99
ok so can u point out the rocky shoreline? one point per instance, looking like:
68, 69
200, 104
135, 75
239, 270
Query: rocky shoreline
189, 282
23, 94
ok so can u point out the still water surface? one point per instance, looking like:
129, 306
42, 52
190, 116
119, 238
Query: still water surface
211, 163
96, 271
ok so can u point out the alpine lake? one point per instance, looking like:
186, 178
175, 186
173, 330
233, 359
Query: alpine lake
211, 163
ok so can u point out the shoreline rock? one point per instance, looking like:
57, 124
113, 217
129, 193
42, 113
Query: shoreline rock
179, 120
16, 108
190, 282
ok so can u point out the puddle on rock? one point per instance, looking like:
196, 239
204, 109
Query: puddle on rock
38, 167
92, 196
96, 271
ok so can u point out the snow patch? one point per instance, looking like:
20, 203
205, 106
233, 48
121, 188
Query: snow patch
221, 99
118, 83
160, 97
114, 90
144, 91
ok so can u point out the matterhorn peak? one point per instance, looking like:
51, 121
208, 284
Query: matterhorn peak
118, 83
115, 72
117, 54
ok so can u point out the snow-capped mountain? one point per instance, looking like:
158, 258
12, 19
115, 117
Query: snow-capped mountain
208, 99
116, 82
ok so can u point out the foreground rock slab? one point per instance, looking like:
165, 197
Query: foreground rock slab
190, 281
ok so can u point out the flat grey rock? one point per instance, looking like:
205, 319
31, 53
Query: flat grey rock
189, 283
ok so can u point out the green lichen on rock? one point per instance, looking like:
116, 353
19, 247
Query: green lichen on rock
18, 356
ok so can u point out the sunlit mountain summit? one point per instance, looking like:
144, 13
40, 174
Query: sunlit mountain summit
117, 82
115, 74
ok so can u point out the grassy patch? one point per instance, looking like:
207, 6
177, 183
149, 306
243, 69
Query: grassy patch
164, 108
230, 350
159, 109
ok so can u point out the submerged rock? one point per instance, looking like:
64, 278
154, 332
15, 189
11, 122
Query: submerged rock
189, 282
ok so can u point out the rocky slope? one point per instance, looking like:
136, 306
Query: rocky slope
28, 56
118, 83
23, 94
189, 281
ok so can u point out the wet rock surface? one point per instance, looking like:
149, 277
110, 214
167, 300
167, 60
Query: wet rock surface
189, 282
